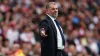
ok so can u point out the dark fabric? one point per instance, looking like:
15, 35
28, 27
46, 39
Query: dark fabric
61, 53
49, 43
58, 25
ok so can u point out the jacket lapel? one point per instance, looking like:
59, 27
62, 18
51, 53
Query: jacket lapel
52, 25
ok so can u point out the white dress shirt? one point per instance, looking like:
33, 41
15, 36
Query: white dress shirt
59, 38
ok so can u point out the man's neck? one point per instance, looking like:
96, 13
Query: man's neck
51, 17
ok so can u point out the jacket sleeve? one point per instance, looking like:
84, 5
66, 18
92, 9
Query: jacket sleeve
43, 24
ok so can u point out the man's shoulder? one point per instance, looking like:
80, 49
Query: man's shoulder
46, 19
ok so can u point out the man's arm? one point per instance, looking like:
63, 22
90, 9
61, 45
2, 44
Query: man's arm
43, 28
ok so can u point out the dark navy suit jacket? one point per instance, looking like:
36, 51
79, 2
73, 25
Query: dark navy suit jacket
49, 43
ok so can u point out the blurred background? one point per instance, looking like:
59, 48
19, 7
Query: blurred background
19, 30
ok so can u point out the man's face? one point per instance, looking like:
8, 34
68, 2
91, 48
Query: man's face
53, 10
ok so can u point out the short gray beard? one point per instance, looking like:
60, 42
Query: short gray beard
54, 16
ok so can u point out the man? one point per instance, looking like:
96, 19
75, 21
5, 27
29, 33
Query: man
52, 39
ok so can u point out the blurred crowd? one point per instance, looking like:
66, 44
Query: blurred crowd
19, 30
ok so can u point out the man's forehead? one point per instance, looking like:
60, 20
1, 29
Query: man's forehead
53, 6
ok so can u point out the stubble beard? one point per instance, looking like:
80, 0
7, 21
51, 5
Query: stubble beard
55, 15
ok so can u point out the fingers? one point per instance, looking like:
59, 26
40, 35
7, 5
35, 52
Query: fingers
43, 32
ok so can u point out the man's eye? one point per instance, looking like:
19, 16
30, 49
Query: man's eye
54, 8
